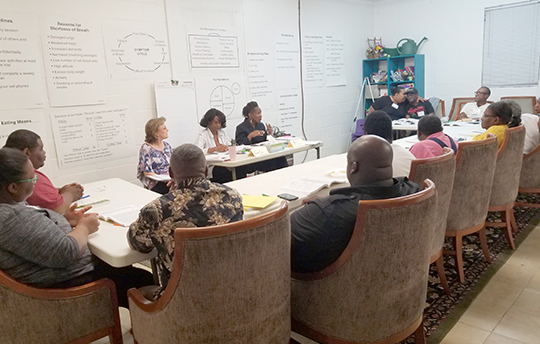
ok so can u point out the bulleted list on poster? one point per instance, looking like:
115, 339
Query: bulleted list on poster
20, 70
73, 55
87, 137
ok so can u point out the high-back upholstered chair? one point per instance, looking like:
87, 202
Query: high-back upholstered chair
375, 292
506, 181
440, 111
230, 284
56, 316
457, 105
526, 102
475, 167
440, 170
529, 181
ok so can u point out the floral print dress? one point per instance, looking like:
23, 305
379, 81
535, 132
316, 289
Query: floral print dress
152, 160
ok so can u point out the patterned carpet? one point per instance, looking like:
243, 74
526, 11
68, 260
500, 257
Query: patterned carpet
443, 311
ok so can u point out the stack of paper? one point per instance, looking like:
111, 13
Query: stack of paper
258, 202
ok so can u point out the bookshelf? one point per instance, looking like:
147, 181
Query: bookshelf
392, 64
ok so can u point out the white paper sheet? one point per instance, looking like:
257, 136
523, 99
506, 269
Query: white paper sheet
21, 74
9, 122
313, 60
86, 137
74, 61
335, 61
177, 103
137, 50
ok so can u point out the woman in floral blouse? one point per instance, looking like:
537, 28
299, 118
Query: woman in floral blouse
155, 155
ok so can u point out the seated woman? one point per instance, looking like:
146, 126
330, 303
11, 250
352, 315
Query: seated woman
44, 249
251, 131
496, 119
393, 105
215, 139
155, 155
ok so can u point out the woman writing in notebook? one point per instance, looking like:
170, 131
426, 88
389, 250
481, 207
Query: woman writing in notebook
214, 139
155, 155
45, 249
251, 131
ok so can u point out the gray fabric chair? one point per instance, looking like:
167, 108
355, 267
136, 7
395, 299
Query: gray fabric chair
438, 105
475, 167
375, 292
440, 170
56, 316
529, 181
506, 181
230, 284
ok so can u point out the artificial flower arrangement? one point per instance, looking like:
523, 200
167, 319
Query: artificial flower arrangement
376, 51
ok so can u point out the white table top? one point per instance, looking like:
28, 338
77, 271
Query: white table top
271, 183
245, 159
109, 243
461, 131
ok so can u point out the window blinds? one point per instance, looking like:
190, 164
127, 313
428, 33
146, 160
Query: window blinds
512, 45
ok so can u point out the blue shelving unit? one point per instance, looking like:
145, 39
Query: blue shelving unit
394, 63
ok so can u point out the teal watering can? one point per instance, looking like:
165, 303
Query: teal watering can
409, 47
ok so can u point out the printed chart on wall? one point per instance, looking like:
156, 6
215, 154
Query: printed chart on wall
313, 60
289, 106
86, 137
261, 67
213, 48
137, 51
226, 93
287, 61
73, 55
20, 70
334, 61
22, 120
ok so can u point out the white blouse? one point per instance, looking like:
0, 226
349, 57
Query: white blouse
206, 139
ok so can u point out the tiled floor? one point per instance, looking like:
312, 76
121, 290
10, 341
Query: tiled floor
508, 309
506, 312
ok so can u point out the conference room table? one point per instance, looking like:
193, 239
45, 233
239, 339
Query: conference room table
461, 131
275, 182
110, 243
245, 159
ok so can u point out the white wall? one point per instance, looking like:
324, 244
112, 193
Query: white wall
453, 52
328, 110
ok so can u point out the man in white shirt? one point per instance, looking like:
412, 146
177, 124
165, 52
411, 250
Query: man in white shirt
380, 124
476, 110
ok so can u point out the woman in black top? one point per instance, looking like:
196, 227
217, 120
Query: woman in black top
251, 131
393, 105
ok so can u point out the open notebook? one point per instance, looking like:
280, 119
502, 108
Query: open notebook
123, 216
310, 185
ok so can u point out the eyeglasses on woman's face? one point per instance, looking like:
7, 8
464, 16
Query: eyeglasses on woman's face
33, 180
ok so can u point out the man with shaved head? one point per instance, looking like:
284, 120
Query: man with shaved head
195, 202
321, 229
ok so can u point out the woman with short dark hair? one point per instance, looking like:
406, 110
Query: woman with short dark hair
214, 139
393, 105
